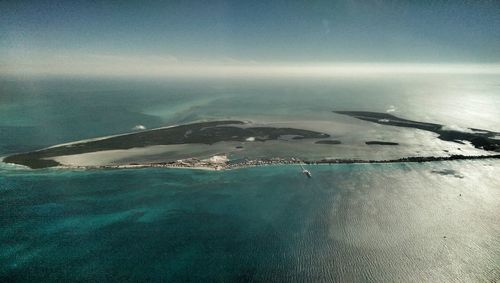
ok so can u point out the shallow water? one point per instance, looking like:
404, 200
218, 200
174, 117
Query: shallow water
38, 113
431, 222
385, 222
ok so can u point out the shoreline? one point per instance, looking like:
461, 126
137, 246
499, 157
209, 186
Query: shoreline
207, 133
212, 132
195, 164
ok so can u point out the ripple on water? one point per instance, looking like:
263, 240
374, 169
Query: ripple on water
350, 222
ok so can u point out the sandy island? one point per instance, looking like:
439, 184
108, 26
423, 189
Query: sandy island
158, 147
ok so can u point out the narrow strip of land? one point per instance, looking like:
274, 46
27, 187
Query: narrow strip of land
482, 139
193, 163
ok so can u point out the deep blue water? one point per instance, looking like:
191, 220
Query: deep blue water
432, 222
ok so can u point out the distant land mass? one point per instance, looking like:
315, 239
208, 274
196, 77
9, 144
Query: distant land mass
481, 139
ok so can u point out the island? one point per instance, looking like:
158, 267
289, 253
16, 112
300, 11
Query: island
482, 139
230, 135
195, 133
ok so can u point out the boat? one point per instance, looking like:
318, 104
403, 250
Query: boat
306, 172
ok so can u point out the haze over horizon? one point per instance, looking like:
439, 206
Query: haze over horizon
319, 38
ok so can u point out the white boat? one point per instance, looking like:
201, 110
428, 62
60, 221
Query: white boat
305, 171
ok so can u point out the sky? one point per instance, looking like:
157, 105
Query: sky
193, 37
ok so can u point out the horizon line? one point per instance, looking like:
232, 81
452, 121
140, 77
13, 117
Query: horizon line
242, 69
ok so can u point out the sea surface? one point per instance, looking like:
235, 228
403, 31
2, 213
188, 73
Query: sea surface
418, 222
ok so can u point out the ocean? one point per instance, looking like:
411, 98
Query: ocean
419, 222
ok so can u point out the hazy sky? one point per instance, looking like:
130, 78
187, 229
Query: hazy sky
64, 35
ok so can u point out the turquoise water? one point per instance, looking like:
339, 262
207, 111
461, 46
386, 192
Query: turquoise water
432, 222
38, 113
348, 223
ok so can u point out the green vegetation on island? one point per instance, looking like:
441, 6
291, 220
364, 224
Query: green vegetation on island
481, 139
381, 143
196, 133
328, 142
